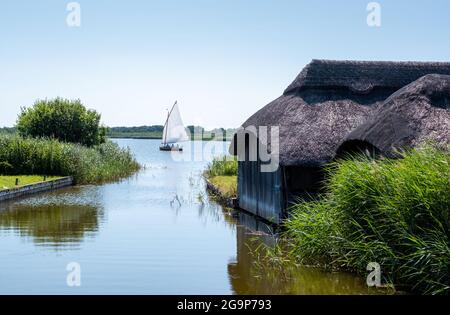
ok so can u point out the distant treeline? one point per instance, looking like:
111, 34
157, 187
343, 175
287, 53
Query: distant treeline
141, 132
156, 132
8, 130
151, 132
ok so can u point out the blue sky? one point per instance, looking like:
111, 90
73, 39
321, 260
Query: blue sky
221, 59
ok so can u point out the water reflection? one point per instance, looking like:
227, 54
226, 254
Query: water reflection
157, 232
59, 220
248, 275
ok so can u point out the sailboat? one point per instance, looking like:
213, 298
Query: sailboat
174, 131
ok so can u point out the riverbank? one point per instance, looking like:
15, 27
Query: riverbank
8, 182
226, 185
221, 180
33, 187
223, 189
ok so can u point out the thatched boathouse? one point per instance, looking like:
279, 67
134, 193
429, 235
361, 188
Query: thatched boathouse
416, 113
325, 103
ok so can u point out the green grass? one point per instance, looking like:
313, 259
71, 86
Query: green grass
222, 173
227, 185
105, 162
393, 212
7, 182
222, 166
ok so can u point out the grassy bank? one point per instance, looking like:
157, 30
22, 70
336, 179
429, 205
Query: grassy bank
7, 182
105, 162
227, 185
222, 173
393, 212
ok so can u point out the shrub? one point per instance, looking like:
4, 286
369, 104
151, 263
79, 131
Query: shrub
62, 119
5, 167
394, 212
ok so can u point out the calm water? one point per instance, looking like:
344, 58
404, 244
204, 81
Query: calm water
155, 233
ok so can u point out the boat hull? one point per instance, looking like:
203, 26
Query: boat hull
170, 148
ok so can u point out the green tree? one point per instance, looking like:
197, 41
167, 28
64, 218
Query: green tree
62, 119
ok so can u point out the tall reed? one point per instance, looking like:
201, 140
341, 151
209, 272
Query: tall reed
105, 162
222, 166
393, 212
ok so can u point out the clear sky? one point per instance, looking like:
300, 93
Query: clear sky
221, 59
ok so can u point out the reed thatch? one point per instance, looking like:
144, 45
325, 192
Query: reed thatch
364, 76
328, 100
416, 113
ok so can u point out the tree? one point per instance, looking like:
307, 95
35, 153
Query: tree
196, 132
62, 119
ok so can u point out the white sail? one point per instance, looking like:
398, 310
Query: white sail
174, 130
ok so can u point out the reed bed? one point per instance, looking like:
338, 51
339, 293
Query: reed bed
105, 162
222, 166
393, 212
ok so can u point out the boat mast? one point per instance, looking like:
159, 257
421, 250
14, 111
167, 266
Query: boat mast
167, 122
165, 129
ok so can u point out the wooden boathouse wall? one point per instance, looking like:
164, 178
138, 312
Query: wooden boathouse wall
260, 193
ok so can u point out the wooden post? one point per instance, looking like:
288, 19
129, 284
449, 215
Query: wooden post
17, 182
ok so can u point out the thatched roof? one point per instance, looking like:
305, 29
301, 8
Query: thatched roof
363, 76
418, 112
328, 100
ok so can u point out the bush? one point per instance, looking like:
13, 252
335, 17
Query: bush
394, 212
62, 119
105, 162
5, 167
